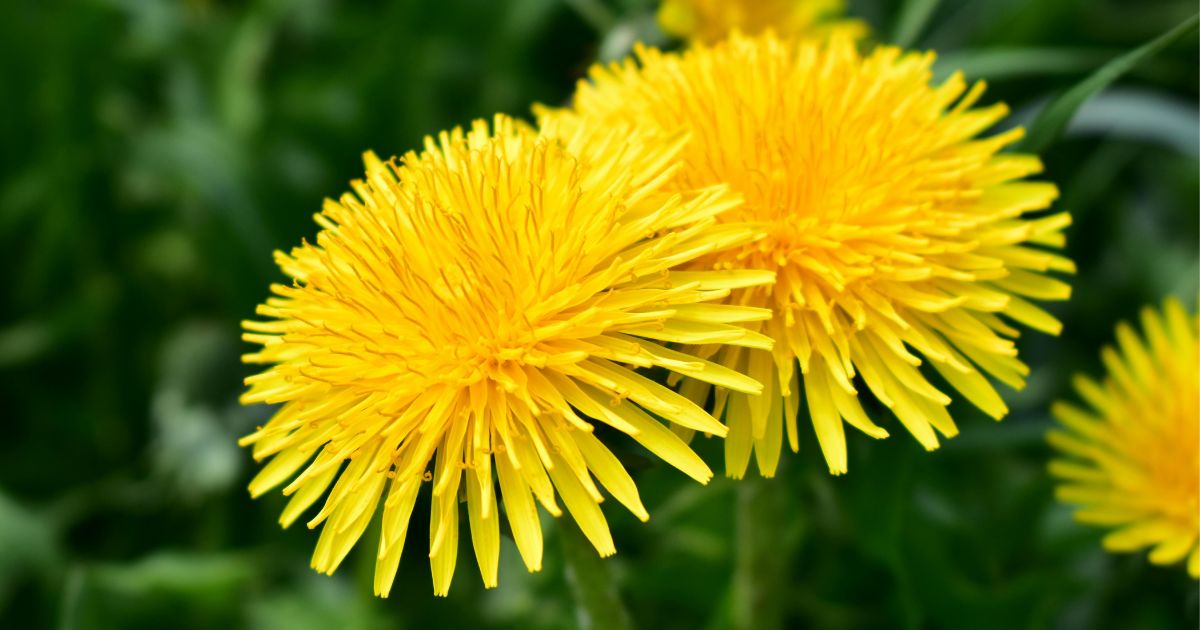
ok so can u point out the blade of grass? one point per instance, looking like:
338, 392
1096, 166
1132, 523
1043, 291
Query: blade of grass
1053, 120
994, 64
914, 17
1144, 115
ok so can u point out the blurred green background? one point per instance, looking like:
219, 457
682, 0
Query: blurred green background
154, 153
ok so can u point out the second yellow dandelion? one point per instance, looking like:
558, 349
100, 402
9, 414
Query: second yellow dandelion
900, 239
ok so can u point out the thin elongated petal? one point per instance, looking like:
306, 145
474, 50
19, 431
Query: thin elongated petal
485, 527
522, 513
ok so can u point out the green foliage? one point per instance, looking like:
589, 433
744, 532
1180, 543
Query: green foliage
1054, 119
156, 152
913, 18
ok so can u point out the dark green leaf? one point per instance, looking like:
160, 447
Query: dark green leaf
1007, 63
913, 19
1049, 125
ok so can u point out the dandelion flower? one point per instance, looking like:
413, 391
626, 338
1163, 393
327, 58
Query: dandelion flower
898, 237
1131, 459
471, 314
709, 21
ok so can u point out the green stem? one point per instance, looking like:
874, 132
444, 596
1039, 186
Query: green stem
598, 605
763, 554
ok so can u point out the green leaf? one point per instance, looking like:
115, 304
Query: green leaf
195, 589
28, 542
317, 602
1145, 115
914, 17
994, 64
190, 575
1051, 122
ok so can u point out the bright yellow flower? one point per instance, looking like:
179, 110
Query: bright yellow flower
479, 305
898, 237
709, 21
1132, 460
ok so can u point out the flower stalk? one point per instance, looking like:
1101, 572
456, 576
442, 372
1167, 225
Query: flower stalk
598, 603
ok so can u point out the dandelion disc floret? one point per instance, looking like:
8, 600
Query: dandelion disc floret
468, 317
900, 239
1130, 458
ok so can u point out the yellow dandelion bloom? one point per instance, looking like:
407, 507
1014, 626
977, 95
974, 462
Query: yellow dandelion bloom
469, 315
709, 21
1131, 460
899, 238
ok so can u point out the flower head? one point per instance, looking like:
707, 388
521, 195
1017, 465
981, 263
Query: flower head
471, 314
899, 238
1131, 459
710, 21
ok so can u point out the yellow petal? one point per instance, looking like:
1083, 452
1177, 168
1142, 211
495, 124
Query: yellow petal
485, 526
